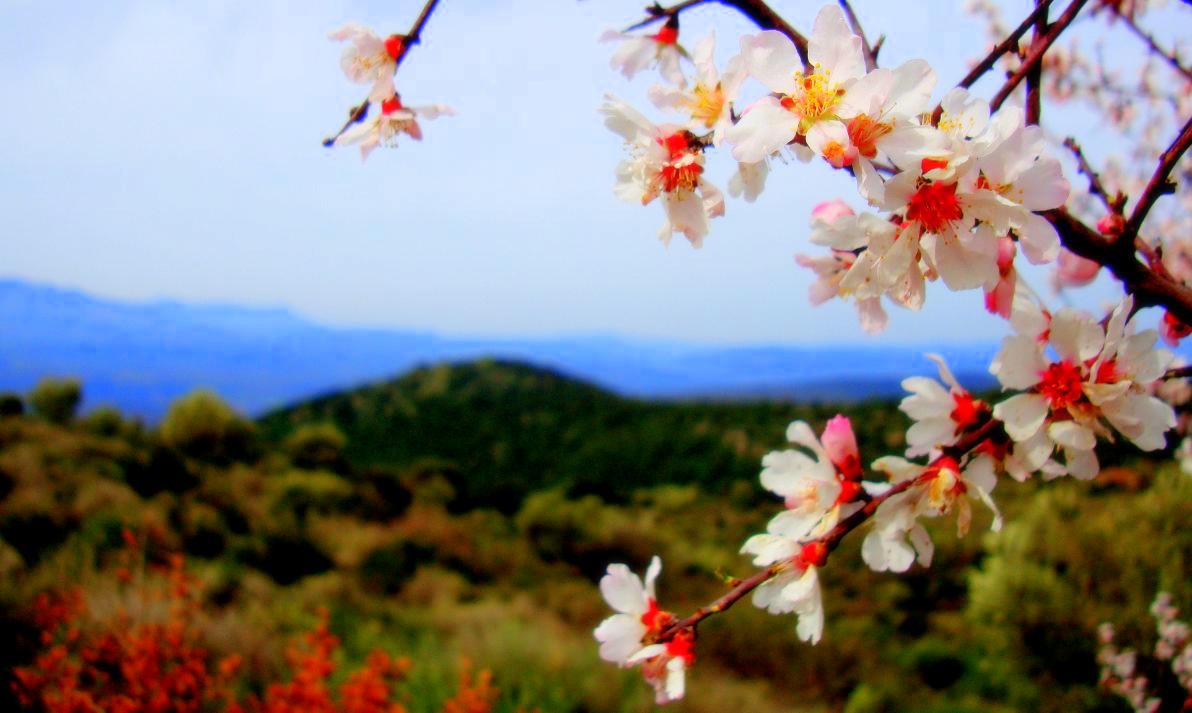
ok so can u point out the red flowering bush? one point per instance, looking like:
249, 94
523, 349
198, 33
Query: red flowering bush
151, 660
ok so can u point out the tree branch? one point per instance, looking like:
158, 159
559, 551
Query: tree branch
411, 38
1039, 47
1169, 56
1151, 288
1114, 205
1034, 78
1160, 183
1001, 48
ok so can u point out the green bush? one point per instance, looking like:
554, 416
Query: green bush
317, 445
104, 421
201, 425
56, 400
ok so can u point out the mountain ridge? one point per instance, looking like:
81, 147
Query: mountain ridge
141, 356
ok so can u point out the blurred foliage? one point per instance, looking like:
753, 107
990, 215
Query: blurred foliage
201, 425
468, 511
56, 400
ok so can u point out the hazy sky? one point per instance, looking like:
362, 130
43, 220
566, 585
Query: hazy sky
171, 150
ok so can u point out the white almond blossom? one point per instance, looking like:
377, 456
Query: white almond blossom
664, 161
369, 58
879, 119
941, 412
384, 126
795, 589
622, 636
888, 264
898, 539
708, 103
1012, 183
1098, 375
638, 51
806, 96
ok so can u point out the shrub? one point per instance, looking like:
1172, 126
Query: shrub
104, 421
56, 400
201, 425
317, 445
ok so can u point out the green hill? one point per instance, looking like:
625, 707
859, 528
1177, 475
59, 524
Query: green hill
503, 430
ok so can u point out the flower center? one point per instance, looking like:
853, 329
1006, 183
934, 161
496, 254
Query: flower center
967, 411
393, 46
1061, 384
391, 105
656, 619
946, 485
864, 133
934, 206
839, 156
667, 35
706, 104
682, 171
817, 101
813, 554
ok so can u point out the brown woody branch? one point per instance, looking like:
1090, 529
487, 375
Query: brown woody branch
1039, 48
1150, 287
996, 53
1034, 78
408, 40
757, 11
1001, 48
1160, 183
1113, 204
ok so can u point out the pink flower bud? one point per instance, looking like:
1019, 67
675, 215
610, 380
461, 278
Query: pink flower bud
830, 211
840, 443
1074, 271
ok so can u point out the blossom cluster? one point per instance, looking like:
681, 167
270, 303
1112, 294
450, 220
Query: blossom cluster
369, 59
957, 192
1173, 647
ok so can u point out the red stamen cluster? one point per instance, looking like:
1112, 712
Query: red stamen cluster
813, 554
1062, 384
656, 619
394, 44
391, 105
668, 35
934, 206
676, 175
967, 412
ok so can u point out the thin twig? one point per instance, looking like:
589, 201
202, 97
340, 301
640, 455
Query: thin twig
1168, 55
411, 38
1180, 372
1095, 186
994, 54
757, 11
1160, 183
1001, 48
1038, 49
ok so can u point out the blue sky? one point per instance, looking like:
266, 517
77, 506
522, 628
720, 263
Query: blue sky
171, 150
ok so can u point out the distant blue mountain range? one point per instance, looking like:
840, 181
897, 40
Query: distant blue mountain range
141, 356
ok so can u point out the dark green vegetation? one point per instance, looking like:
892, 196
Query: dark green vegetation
469, 510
